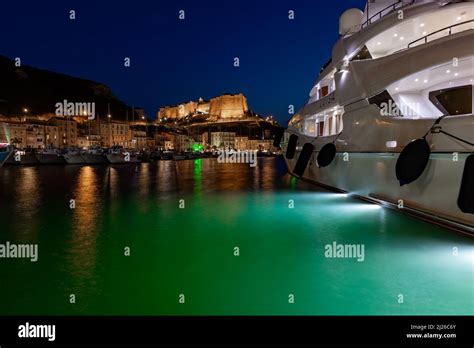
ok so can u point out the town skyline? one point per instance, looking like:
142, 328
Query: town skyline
223, 122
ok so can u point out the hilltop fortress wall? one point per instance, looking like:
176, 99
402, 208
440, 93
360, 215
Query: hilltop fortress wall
224, 106
228, 106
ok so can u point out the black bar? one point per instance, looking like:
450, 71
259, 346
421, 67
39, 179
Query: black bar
223, 330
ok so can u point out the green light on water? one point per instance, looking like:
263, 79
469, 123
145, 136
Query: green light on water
197, 177
197, 166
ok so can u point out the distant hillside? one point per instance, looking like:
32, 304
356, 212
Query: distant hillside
39, 90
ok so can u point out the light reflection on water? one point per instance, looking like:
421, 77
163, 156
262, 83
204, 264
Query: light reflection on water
28, 200
227, 205
85, 219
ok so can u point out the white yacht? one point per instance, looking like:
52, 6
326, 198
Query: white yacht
117, 155
74, 156
49, 156
95, 156
390, 118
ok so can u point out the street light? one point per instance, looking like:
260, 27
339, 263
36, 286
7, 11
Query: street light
109, 116
25, 111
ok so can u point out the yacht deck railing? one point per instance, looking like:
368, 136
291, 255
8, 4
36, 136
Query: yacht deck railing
387, 10
449, 29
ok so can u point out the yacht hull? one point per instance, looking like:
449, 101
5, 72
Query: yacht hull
365, 167
27, 159
74, 159
120, 159
93, 158
50, 158
371, 176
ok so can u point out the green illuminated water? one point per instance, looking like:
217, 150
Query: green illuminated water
190, 251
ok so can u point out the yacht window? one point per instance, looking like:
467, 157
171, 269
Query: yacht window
330, 124
324, 91
320, 128
310, 127
453, 101
362, 54
386, 104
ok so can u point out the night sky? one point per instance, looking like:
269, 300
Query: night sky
176, 60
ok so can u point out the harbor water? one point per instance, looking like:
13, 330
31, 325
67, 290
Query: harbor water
197, 237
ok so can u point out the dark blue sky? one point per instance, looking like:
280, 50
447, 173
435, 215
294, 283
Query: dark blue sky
176, 60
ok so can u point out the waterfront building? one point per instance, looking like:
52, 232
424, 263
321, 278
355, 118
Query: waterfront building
105, 134
182, 143
88, 141
87, 134
261, 145
163, 141
115, 133
150, 143
168, 145
51, 136
223, 140
67, 131
35, 136
138, 138
205, 140
13, 133
23, 135
83, 142
242, 143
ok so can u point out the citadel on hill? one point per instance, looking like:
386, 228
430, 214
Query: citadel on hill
226, 106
